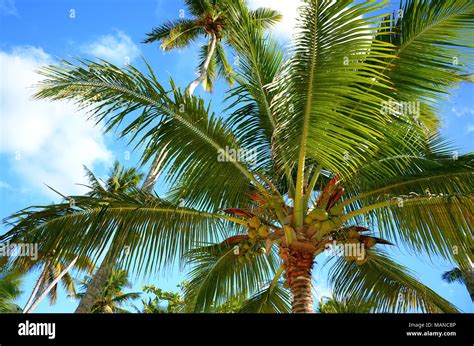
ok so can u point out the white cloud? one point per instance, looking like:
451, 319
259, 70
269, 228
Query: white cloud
44, 142
470, 128
118, 48
289, 10
8, 8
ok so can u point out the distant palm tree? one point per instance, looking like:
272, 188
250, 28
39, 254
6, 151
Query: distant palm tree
209, 19
332, 305
51, 269
111, 298
120, 180
465, 277
9, 289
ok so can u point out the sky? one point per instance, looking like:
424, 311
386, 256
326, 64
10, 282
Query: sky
45, 142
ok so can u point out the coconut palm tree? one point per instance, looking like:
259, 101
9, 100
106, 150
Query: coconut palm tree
333, 305
120, 180
51, 269
318, 149
462, 276
111, 297
10, 280
208, 19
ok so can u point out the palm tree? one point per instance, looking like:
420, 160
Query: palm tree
333, 305
9, 289
111, 297
335, 160
120, 180
465, 277
51, 269
209, 19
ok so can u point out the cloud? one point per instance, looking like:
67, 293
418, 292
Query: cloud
43, 142
8, 8
116, 48
470, 128
289, 10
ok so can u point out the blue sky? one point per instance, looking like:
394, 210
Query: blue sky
48, 143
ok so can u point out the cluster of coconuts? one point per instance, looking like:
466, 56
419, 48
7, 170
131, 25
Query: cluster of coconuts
353, 237
248, 250
257, 228
322, 221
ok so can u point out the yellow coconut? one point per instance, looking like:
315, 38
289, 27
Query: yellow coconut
254, 222
327, 226
252, 233
263, 231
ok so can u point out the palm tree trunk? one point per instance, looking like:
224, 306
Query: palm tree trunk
205, 67
98, 281
35, 290
50, 287
298, 265
154, 172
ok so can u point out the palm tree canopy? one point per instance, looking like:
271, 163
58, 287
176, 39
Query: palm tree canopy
332, 158
112, 298
10, 280
209, 18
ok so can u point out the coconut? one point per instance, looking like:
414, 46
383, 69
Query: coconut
327, 226
252, 233
338, 210
254, 222
308, 220
337, 221
319, 214
263, 231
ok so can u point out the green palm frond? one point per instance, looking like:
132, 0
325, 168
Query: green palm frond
319, 88
217, 275
175, 34
453, 275
156, 231
427, 207
10, 280
265, 17
225, 69
390, 287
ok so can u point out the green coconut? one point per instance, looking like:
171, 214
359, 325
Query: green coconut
308, 220
319, 214
327, 226
338, 210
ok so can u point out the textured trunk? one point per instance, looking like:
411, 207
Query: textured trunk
50, 287
35, 291
98, 282
205, 67
298, 265
154, 173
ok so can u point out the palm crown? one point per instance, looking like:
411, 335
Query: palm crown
334, 158
209, 19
